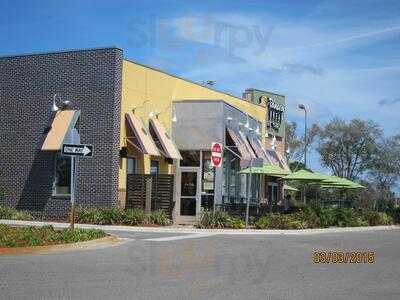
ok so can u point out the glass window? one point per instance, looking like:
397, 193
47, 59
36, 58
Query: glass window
154, 167
208, 174
131, 165
190, 159
62, 178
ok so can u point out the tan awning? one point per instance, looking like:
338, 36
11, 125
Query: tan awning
62, 123
163, 140
239, 144
257, 147
141, 139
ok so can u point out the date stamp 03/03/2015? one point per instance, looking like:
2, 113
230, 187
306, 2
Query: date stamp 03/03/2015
343, 257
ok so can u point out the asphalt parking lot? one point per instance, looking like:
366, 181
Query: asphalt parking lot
196, 266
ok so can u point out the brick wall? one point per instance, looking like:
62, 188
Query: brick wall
91, 80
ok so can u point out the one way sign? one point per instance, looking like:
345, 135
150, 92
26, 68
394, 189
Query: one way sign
77, 150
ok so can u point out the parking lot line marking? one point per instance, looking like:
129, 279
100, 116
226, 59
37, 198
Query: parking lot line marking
180, 237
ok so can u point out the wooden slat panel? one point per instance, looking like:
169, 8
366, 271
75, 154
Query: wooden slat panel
161, 192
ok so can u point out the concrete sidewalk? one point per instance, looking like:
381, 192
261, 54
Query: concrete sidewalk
192, 230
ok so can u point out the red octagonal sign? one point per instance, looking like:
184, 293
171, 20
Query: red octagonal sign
216, 155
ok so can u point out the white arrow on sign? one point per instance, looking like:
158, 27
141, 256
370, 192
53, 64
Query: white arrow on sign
86, 151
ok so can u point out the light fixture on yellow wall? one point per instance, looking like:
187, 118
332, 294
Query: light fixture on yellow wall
140, 106
156, 114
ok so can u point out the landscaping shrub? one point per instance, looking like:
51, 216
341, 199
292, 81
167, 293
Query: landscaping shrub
395, 214
13, 214
134, 217
159, 217
346, 217
218, 219
322, 218
281, 221
46, 235
377, 218
115, 216
109, 216
325, 217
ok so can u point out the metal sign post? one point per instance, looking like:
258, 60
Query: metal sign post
75, 150
249, 195
72, 215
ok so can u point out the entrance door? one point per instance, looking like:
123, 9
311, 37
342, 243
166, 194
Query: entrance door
189, 193
272, 195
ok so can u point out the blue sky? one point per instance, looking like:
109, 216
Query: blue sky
340, 58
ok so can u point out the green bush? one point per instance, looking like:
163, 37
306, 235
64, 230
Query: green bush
281, 221
109, 216
346, 217
395, 214
159, 217
134, 217
46, 235
85, 215
386, 219
13, 214
218, 219
323, 217
115, 216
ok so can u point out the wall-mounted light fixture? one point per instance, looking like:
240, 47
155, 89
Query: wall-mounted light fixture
54, 106
140, 106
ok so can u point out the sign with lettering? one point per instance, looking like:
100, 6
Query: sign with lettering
77, 150
216, 155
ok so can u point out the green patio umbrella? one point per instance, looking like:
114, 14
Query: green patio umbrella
348, 182
254, 170
303, 175
276, 171
270, 170
290, 188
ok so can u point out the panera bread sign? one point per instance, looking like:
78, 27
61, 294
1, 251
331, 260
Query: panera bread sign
275, 112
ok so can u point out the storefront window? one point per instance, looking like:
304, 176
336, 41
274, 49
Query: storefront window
131, 165
154, 167
231, 178
190, 159
62, 178
207, 174
207, 177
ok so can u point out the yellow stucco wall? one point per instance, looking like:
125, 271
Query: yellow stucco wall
140, 84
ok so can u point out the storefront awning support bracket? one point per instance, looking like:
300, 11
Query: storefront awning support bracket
133, 144
233, 152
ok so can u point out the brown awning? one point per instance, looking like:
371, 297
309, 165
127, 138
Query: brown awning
283, 162
62, 123
246, 142
257, 147
239, 144
163, 140
277, 159
141, 139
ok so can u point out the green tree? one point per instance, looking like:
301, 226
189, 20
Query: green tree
384, 167
347, 147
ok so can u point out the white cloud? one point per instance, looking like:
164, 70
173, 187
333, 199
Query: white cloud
307, 61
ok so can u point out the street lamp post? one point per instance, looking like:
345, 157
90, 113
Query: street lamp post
302, 107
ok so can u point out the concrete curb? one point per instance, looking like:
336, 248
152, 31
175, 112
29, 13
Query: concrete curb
108, 241
191, 230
